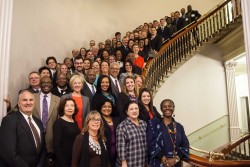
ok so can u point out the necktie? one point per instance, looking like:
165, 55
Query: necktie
45, 112
35, 133
116, 85
62, 91
93, 89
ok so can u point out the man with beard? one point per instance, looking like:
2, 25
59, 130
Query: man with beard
78, 64
46, 105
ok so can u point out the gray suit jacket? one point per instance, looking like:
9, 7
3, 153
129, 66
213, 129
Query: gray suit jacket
52, 117
85, 102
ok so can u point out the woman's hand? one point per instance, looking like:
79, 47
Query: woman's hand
8, 102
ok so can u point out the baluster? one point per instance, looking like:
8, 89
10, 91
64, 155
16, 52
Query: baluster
244, 149
224, 16
220, 19
228, 15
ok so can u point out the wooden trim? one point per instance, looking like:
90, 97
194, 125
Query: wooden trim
234, 144
200, 161
183, 32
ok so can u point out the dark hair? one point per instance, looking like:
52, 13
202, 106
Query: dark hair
101, 102
104, 61
44, 68
117, 33
81, 49
49, 58
131, 63
150, 105
62, 106
99, 81
129, 103
167, 100
102, 58
78, 58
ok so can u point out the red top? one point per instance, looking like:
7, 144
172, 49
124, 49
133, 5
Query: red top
139, 61
78, 116
151, 116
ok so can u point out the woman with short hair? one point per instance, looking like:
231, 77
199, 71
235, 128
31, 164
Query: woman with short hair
76, 83
65, 130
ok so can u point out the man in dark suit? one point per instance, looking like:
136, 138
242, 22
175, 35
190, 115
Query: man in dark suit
61, 87
114, 72
155, 40
34, 80
124, 48
179, 22
171, 29
162, 30
89, 88
22, 140
192, 15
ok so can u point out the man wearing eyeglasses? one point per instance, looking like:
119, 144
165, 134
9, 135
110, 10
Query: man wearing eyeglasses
78, 64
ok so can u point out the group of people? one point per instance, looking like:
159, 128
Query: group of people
92, 109
142, 138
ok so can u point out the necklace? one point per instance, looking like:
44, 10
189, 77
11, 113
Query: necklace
94, 146
173, 140
108, 121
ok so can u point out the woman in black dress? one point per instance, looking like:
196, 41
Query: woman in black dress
64, 132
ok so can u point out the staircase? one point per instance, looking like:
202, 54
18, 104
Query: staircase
208, 30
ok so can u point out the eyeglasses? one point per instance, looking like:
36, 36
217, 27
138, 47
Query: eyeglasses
95, 120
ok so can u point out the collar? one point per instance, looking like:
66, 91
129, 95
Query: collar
42, 94
60, 89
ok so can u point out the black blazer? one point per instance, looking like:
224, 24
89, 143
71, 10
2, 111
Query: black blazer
88, 93
163, 32
18, 144
181, 23
122, 101
56, 92
144, 115
108, 135
192, 16
156, 43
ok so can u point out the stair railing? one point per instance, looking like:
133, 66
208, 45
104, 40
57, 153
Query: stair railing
219, 158
188, 40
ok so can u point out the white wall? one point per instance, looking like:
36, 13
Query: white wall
198, 89
54, 27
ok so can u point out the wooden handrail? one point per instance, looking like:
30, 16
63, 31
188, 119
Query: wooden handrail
187, 39
200, 161
231, 146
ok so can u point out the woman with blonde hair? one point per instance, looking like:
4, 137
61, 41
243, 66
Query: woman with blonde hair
129, 93
82, 102
89, 149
